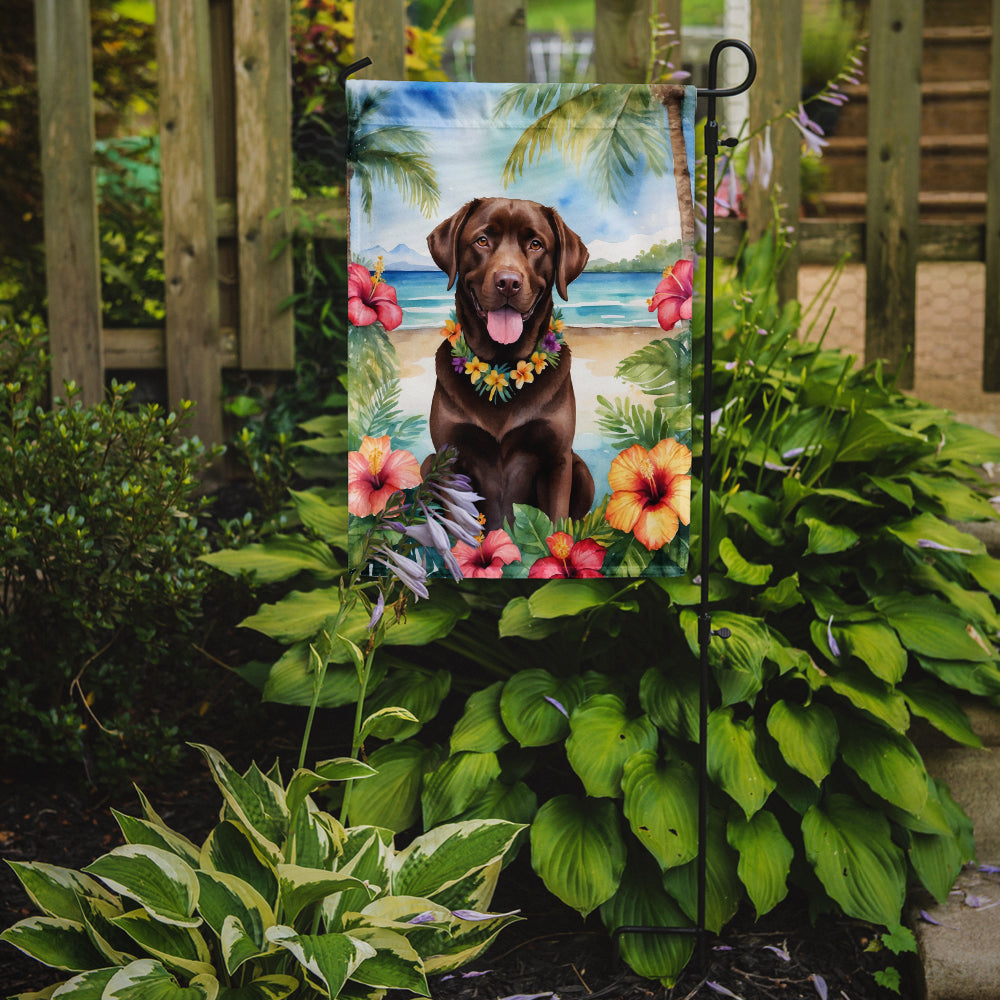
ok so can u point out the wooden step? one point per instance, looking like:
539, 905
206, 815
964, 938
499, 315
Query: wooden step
945, 12
956, 53
957, 206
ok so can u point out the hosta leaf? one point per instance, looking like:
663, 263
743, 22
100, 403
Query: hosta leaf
850, 848
641, 901
957, 501
765, 858
928, 528
738, 569
807, 736
671, 700
147, 979
869, 436
560, 598
936, 704
301, 887
760, 512
530, 706
279, 558
517, 620
418, 691
327, 520
723, 889
366, 855
986, 571
54, 941
87, 986
225, 897
481, 728
304, 782
876, 645
330, 959
141, 831
732, 760
180, 948
230, 849
828, 539
391, 798
456, 784
274, 987
442, 857
783, 595
395, 964
578, 851
888, 763
159, 881
601, 739
937, 860
931, 628
864, 691
516, 803
466, 941
976, 678
738, 661
387, 723
661, 806
56, 891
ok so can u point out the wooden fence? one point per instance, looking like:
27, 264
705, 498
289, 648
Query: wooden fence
226, 162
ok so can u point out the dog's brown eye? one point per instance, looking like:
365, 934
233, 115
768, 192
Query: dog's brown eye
482, 241
535, 244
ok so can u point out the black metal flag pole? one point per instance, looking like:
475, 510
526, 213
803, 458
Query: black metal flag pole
705, 631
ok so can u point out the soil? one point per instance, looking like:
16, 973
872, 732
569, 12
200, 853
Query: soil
551, 953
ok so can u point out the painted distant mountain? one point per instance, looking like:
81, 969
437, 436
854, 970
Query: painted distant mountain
400, 258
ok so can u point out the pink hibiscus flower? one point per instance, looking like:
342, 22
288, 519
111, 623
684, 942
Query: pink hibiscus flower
569, 559
375, 472
489, 558
370, 299
673, 297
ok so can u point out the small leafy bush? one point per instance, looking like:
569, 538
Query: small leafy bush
280, 899
101, 584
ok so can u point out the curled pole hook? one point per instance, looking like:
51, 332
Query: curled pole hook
353, 68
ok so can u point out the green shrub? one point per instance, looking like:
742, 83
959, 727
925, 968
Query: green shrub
279, 900
101, 584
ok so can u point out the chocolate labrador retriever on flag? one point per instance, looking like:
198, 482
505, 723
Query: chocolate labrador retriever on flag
507, 404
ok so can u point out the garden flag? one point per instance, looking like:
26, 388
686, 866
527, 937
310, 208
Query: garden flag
520, 292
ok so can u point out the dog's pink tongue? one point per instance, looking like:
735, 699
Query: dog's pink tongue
504, 324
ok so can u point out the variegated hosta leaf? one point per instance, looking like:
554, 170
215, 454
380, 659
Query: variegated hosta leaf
642, 902
467, 940
158, 880
141, 831
807, 736
456, 784
275, 987
476, 890
578, 851
850, 847
732, 760
315, 838
602, 737
99, 915
86, 986
56, 891
661, 805
395, 964
535, 706
329, 959
54, 941
765, 858
256, 801
225, 897
481, 727
301, 887
149, 980
367, 854
230, 849
177, 947
304, 782
441, 857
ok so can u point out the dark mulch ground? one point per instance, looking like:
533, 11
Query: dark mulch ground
55, 820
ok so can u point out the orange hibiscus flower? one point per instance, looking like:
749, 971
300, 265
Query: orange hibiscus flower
375, 472
651, 492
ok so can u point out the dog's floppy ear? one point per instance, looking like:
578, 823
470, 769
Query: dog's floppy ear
443, 241
571, 254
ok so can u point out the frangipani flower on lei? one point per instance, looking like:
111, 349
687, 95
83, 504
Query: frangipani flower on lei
651, 492
370, 299
487, 559
375, 472
569, 559
673, 297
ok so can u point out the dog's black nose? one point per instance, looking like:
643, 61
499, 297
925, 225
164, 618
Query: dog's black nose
507, 282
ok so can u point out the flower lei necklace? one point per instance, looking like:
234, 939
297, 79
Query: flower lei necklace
495, 380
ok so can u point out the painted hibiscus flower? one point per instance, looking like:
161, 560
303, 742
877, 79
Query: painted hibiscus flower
569, 559
489, 558
375, 472
673, 297
370, 299
651, 492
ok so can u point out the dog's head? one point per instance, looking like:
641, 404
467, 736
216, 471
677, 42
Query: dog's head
507, 255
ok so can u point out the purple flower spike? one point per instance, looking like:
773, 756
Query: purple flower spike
834, 648
377, 612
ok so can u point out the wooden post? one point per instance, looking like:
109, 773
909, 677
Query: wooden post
261, 56
893, 183
991, 333
72, 255
622, 40
380, 34
190, 254
501, 37
776, 35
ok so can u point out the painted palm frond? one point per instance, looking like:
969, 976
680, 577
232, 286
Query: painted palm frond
619, 132
396, 156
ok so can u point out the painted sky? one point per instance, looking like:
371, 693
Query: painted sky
469, 149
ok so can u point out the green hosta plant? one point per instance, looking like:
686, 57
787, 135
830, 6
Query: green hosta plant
279, 900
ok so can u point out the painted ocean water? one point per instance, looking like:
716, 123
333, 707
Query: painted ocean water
616, 299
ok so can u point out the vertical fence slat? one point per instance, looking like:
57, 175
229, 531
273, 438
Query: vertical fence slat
776, 35
621, 40
261, 41
380, 34
190, 253
501, 36
991, 332
893, 183
72, 257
